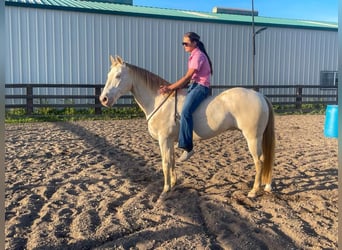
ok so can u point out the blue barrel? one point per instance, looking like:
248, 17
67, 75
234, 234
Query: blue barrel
331, 121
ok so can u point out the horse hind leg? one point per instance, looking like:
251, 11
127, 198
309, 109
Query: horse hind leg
255, 148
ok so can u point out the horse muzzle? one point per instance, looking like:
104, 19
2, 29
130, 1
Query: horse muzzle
105, 101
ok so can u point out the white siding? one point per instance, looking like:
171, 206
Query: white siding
51, 46
290, 56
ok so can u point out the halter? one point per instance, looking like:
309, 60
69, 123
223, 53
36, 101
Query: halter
161, 104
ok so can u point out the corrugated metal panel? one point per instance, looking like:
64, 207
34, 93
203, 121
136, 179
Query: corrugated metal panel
289, 56
49, 46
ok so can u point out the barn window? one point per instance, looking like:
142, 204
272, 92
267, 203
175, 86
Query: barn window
328, 79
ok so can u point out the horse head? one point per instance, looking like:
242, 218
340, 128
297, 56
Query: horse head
118, 82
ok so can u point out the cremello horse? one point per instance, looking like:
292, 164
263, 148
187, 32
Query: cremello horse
236, 108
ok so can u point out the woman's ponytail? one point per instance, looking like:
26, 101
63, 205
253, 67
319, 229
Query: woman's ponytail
202, 48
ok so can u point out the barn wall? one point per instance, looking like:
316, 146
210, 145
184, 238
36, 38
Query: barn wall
54, 46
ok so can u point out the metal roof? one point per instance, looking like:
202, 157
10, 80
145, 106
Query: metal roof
133, 10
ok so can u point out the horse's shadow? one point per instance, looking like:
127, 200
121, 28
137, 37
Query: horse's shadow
131, 165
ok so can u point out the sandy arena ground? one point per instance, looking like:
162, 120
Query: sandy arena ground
94, 185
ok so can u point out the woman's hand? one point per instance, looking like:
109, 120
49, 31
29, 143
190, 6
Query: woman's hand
164, 89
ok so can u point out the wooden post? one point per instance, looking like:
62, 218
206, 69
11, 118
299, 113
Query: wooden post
29, 99
299, 92
98, 110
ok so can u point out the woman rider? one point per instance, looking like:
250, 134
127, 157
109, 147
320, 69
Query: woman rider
198, 80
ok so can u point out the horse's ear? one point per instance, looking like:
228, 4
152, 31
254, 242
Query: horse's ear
119, 60
112, 60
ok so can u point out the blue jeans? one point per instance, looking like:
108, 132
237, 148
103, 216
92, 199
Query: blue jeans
196, 94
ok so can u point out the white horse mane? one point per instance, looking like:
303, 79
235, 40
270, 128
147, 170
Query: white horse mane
152, 80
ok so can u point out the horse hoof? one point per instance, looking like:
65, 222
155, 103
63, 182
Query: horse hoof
268, 188
162, 197
251, 194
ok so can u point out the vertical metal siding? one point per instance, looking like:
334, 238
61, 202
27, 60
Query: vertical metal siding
50, 46
289, 56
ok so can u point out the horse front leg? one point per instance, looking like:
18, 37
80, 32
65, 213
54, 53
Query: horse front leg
168, 162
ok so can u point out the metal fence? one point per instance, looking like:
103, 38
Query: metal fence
292, 96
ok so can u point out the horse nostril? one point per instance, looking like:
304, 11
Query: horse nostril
104, 99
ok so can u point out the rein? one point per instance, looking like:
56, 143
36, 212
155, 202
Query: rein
161, 104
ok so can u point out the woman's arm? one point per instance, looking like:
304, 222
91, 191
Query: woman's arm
178, 84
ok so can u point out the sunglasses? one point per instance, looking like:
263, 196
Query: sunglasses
186, 44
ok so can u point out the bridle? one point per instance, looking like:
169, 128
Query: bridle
162, 103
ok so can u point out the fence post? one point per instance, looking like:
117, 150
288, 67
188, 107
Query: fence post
98, 110
29, 99
299, 92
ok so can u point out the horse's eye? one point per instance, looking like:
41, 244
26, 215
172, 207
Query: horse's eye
118, 76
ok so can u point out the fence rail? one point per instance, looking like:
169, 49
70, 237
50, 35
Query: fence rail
296, 95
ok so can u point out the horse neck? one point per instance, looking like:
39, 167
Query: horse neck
144, 88
145, 97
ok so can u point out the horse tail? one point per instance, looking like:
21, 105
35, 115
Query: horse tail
268, 146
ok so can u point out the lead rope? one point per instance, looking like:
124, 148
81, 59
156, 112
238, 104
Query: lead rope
176, 113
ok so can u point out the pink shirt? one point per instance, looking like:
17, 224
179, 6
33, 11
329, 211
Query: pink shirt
199, 61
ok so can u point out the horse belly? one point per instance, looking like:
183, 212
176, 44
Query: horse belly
212, 120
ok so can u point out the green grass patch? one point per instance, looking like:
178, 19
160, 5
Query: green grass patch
305, 109
48, 114
71, 114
